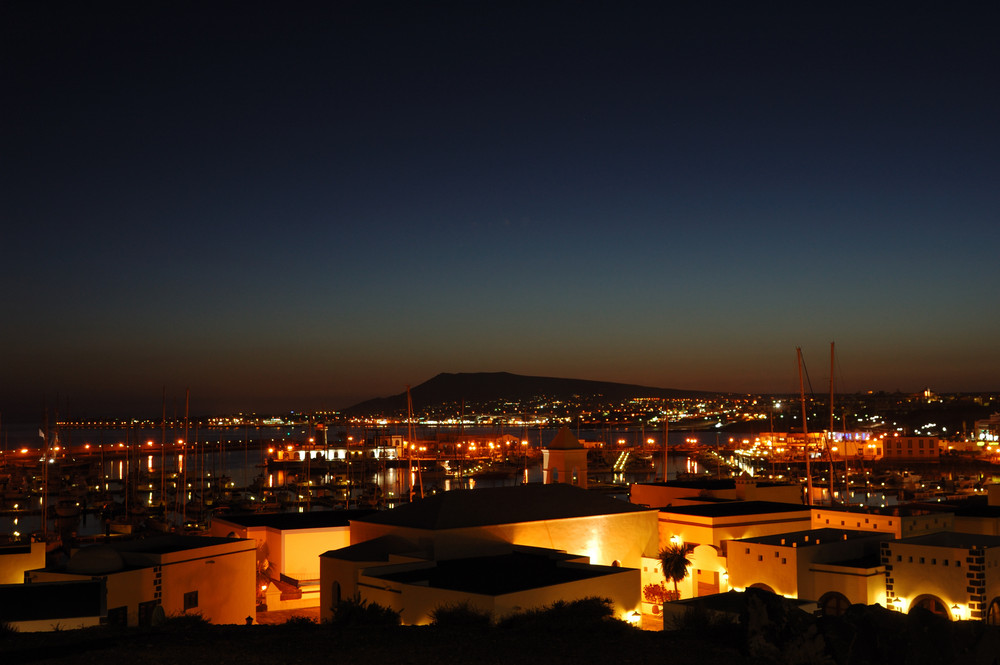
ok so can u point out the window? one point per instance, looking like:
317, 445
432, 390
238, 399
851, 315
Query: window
933, 562
899, 558
760, 557
945, 562
775, 554
190, 600
921, 559
833, 604
784, 560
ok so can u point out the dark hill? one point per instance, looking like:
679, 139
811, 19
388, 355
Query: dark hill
481, 387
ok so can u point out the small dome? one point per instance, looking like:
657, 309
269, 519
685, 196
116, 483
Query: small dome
95, 560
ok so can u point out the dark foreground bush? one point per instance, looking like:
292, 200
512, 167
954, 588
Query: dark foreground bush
584, 614
460, 615
363, 613
700, 622
186, 622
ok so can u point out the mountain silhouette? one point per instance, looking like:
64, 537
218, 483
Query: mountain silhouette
480, 387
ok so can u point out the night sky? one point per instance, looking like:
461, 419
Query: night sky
302, 208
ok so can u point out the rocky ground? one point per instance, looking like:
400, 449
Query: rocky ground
370, 645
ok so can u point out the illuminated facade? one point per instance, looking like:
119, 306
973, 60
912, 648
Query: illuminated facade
707, 529
500, 585
16, 558
167, 576
468, 524
564, 460
956, 575
835, 567
288, 546
900, 521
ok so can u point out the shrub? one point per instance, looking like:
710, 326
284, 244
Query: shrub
704, 623
655, 593
294, 622
186, 622
361, 612
460, 615
583, 614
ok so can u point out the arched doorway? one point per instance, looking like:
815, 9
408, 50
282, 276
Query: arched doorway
993, 613
932, 604
833, 604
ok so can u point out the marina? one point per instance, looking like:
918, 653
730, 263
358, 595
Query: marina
116, 480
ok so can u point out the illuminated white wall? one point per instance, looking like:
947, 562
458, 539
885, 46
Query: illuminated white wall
16, 559
606, 539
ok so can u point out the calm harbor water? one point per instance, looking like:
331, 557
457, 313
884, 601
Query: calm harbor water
237, 455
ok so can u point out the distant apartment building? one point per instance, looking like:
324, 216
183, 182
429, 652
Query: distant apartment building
988, 429
911, 448
821, 445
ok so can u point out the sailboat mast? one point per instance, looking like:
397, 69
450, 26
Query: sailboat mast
666, 424
163, 453
45, 478
409, 437
183, 493
805, 431
829, 432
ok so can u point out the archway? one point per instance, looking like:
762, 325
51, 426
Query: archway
932, 604
833, 604
993, 613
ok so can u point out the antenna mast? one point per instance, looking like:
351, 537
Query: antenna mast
805, 431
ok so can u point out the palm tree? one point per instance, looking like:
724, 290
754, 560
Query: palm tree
675, 563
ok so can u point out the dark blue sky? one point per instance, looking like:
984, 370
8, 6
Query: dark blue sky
301, 208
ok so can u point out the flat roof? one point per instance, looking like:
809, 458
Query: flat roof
501, 505
735, 602
290, 521
953, 539
498, 575
870, 561
166, 543
737, 508
376, 549
813, 537
37, 601
711, 483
